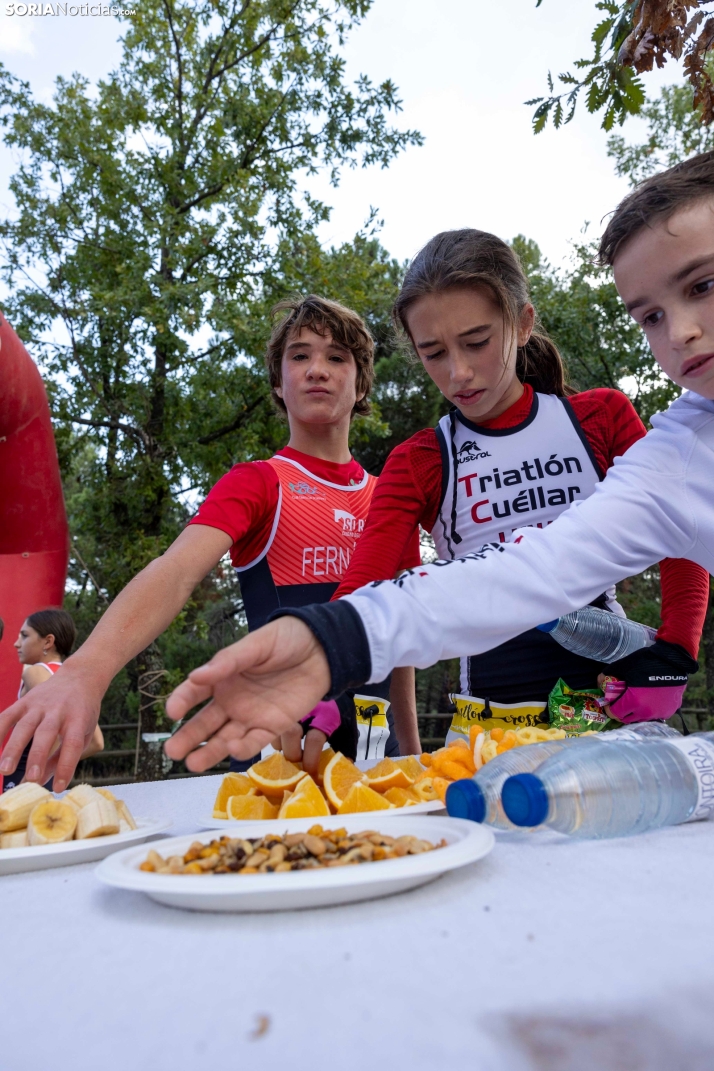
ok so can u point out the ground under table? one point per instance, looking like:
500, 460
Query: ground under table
549, 954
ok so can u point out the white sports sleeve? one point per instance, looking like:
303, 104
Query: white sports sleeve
637, 516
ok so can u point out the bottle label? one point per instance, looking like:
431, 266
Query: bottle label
700, 753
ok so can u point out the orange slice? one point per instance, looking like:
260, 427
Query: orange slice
242, 808
274, 775
340, 774
233, 784
305, 802
400, 797
411, 766
325, 756
362, 798
386, 774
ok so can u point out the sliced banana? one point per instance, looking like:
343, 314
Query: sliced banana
18, 839
107, 794
98, 819
82, 795
51, 822
125, 815
17, 803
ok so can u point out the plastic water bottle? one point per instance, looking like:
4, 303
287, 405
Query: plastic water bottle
616, 790
599, 634
641, 730
479, 798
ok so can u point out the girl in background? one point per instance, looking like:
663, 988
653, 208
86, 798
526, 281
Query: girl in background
45, 640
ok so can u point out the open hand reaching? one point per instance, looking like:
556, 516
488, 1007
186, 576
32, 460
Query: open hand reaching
258, 689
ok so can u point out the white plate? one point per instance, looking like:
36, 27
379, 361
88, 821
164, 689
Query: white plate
44, 856
466, 842
269, 825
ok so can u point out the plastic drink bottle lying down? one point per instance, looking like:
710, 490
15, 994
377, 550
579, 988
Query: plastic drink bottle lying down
615, 791
479, 798
599, 634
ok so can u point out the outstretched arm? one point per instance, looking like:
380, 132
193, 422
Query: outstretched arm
67, 706
436, 611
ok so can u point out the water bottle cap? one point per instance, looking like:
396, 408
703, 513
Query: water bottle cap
525, 800
465, 799
548, 626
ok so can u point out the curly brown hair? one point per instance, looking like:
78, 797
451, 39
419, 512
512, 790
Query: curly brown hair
323, 317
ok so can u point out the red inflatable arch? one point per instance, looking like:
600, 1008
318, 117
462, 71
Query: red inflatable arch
34, 538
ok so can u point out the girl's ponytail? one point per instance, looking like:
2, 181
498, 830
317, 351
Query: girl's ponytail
540, 364
471, 258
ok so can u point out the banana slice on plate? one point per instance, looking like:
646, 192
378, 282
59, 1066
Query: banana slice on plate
51, 822
81, 796
16, 839
126, 818
17, 804
98, 819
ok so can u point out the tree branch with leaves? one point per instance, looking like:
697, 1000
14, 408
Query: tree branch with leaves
632, 39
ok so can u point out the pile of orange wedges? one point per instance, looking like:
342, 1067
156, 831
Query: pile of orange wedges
276, 788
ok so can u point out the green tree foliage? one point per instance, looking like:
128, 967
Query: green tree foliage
632, 37
674, 133
154, 214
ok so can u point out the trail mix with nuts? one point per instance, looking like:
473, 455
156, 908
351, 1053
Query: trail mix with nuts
293, 851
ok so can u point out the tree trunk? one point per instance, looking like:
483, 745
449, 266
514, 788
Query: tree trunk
151, 764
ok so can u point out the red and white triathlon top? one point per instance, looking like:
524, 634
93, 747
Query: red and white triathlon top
295, 521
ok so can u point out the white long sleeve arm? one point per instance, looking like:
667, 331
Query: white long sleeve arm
646, 509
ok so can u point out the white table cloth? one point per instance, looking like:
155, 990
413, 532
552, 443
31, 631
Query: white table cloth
549, 954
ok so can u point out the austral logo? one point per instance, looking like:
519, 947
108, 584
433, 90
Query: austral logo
471, 451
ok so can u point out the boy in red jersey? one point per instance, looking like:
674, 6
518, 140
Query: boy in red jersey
290, 524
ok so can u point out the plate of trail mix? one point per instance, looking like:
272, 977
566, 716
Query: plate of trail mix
337, 860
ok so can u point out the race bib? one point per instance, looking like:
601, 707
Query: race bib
470, 711
372, 726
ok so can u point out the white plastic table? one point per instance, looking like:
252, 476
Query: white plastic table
549, 955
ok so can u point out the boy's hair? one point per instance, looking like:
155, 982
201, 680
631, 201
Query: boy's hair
482, 261
59, 624
656, 199
323, 317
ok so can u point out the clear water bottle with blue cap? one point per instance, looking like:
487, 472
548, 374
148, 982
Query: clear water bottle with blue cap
599, 634
479, 798
616, 790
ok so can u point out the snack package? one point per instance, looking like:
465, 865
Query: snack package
472, 711
578, 712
